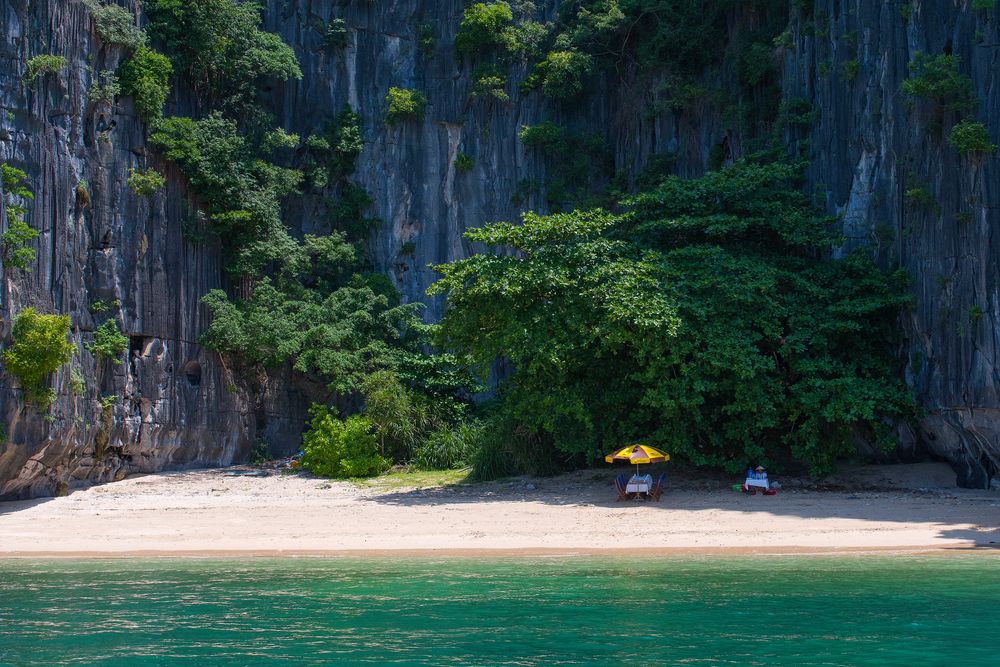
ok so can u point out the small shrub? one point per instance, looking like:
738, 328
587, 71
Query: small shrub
755, 63
494, 457
336, 34
109, 342
547, 136
408, 248
146, 183
341, 448
971, 137
76, 382
849, 70
258, 453
115, 24
404, 104
41, 65
983, 5
14, 242
82, 194
686, 96
921, 197
482, 27
975, 313
105, 89
449, 448
785, 40
425, 39
464, 163
489, 82
145, 77
40, 347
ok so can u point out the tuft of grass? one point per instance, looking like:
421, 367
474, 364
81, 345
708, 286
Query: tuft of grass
408, 478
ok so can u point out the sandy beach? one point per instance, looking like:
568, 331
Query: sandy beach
226, 512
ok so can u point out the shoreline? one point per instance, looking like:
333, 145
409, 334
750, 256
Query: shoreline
528, 552
238, 513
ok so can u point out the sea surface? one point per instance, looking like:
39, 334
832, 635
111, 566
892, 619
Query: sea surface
775, 610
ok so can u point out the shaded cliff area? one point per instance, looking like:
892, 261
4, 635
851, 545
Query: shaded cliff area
829, 88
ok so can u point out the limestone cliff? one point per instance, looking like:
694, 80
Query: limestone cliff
181, 406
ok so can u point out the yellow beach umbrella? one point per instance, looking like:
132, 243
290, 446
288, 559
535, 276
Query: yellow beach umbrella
637, 454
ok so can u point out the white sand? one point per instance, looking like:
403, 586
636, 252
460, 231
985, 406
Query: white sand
902, 508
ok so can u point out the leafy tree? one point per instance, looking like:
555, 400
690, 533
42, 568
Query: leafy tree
40, 347
489, 82
937, 78
340, 336
330, 156
14, 242
341, 448
41, 65
145, 77
970, 136
146, 183
115, 24
704, 319
105, 88
562, 73
404, 104
482, 27
219, 47
240, 192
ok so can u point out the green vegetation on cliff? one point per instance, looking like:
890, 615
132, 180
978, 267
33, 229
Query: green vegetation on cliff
14, 243
703, 319
39, 349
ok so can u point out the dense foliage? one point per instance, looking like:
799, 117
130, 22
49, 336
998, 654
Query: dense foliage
115, 24
337, 335
703, 319
40, 347
482, 27
14, 242
310, 303
146, 78
219, 47
937, 78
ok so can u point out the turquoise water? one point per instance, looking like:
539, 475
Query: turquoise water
713, 611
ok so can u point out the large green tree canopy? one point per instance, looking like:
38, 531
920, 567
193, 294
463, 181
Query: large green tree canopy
705, 318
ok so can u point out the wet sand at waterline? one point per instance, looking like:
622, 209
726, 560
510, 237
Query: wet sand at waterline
221, 512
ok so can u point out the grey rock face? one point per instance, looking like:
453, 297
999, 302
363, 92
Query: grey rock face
871, 145
179, 405
171, 407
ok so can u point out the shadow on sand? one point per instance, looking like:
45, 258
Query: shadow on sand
948, 507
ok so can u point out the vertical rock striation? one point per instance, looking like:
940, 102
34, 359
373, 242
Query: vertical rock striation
178, 405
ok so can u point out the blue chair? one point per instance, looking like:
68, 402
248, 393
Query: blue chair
620, 486
657, 489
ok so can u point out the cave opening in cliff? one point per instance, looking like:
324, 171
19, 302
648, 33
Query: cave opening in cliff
136, 345
192, 371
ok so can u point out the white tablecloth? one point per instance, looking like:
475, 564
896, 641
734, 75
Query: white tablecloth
637, 487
